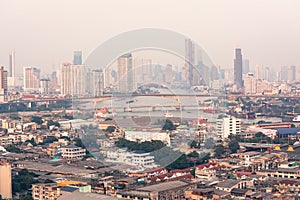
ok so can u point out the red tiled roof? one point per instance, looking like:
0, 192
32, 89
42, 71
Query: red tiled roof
155, 170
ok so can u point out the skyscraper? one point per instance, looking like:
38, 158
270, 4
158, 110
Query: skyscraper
31, 79
238, 68
73, 79
125, 73
250, 84
66, 84
11, 72
77, 60
190, 61
246, 66
45, 87
5, 181
95, 82
3, 85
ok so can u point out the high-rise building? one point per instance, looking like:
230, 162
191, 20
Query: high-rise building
95, 86
228, 125
31, 79
250, 83
66, 78
73, 79
246, 66
143, 71
268, 74
259, 72
11, 72
168, 74
190, 61
291, 73
125, 73
5, 181
214, 73
238, 68
77, 60
3, 84
45, 87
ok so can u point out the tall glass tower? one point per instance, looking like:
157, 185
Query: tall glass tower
77, 60
238, 68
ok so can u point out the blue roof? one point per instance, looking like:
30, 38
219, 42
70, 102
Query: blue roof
285, 131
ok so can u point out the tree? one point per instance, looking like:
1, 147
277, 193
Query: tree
169, 126
193, 154
111, 129
219, 151
26, 197
50, 139
233, 145
259, 135
37, 119
209, 143
13, 149
79, 143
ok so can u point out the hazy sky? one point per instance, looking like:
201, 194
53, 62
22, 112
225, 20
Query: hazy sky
45, 33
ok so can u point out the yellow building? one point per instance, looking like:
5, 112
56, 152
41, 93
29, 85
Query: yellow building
5, 181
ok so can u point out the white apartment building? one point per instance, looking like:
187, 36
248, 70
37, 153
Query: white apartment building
143, 160
142, 136
228, 125
73, 152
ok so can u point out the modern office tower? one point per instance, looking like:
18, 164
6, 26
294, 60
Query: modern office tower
246, 66
228, 125
190, 60
77, 60
143, 71
158, 73
11, 72
283, 74
238, 68
214, 74
168, 73
95, 82
3, 84
5, 181
73, 79
291, 73
67, 79
79, 78
250, 83
54, 82
268, 74
259, 72
45, 87
31, 79
125, 73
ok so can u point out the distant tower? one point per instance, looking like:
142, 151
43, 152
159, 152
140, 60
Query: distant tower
125, 73
238, 68
3, 85
77, 60
31, 79
44, 87
246, 67
11, 72
190, 60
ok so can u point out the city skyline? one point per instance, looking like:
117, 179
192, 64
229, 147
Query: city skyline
217, 35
